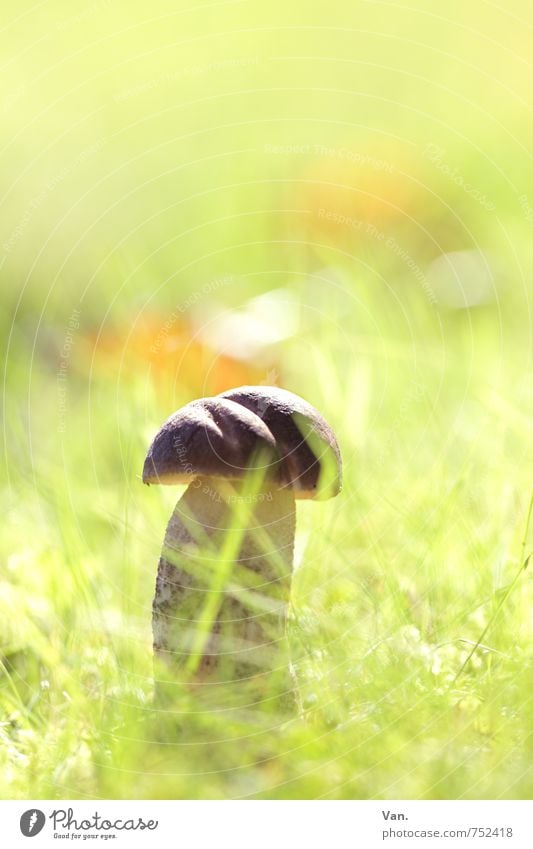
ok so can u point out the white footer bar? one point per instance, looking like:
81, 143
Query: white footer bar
268, 824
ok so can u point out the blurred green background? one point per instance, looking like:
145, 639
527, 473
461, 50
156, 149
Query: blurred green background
336, 198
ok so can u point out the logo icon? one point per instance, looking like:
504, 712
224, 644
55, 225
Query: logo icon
32, 822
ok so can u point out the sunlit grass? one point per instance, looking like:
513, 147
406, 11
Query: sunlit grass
397, 579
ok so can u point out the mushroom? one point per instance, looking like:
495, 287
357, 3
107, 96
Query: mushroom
224, 576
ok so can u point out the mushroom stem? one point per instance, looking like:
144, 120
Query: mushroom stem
223, 588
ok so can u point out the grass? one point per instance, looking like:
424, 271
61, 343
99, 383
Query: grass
412, 602
398, 579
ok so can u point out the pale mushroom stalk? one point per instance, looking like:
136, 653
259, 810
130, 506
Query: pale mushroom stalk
224, 577
245, 628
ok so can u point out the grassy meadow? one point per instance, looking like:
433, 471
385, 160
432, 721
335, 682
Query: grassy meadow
333, 198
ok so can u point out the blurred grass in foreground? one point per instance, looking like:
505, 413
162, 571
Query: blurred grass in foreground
367, 175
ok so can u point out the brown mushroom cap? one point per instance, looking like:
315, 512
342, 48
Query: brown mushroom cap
214, 437
310, 457
248, 428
